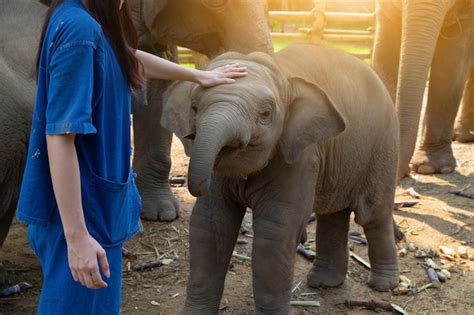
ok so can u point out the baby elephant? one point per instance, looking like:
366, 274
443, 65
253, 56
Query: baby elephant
308, 129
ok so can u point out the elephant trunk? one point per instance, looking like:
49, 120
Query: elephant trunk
421, 27
223, 127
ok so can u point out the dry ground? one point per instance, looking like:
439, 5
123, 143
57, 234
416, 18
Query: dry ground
438, 219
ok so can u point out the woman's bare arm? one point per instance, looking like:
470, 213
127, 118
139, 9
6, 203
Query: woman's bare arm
158, 68
84, 252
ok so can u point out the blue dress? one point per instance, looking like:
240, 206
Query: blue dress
82, 90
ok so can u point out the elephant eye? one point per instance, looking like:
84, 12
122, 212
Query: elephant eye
265, 117
194, 106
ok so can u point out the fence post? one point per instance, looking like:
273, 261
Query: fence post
317, 29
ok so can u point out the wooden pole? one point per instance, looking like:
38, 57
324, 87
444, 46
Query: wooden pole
285, 6
319, 23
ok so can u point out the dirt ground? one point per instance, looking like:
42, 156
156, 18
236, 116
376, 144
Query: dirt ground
439, 218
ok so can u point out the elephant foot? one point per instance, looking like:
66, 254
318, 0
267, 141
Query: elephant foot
403, 171
399, 235
430, 160
463, 134
383, 280
162, 206
201, 306
319, 277
197, 311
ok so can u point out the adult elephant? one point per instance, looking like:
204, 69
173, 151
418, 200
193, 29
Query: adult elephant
206, 26
411, 37
17, 92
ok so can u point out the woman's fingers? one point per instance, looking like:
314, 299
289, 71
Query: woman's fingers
235, 74
104, 263
74, 275
81, 279
231, 68
97, 281
89, 281
226, 81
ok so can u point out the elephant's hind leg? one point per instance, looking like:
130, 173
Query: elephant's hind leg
330, 265
464, 127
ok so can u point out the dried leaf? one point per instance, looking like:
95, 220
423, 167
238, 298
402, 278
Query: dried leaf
412, 192
359, 259
447, 250
241, 257
166, 261
305, 303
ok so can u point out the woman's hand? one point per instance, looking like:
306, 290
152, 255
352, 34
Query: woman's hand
84, 256
222, 75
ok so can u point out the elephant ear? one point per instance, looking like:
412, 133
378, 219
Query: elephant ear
177, 114
313, 117
150, 9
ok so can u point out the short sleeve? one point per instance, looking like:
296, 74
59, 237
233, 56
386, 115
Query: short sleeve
70, 92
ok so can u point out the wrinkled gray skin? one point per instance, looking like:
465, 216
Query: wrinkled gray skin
411, 37
17, 92
312, 129
207, 26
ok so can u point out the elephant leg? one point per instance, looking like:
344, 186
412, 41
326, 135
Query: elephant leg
5, 223
386, 50
449, 73
382, 251
3, 277
464, 127
330, 266
214, 228
277, 232
9, 191
152, 162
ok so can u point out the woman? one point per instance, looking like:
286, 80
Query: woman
78, 194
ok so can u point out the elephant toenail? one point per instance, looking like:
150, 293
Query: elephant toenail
425, 169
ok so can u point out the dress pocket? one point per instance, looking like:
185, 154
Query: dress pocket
111, 209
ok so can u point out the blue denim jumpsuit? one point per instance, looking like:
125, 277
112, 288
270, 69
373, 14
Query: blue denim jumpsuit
81, 90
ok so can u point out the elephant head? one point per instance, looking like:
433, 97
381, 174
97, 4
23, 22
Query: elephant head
237, 129
423, 22
206, 26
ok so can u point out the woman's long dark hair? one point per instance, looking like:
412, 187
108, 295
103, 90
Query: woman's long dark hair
118, 26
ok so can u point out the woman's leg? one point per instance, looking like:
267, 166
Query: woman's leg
60, 294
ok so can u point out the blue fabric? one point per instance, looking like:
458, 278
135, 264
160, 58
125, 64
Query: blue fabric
82, 90
60, 293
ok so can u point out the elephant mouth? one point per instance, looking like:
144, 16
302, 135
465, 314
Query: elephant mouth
191, 136
242, 161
